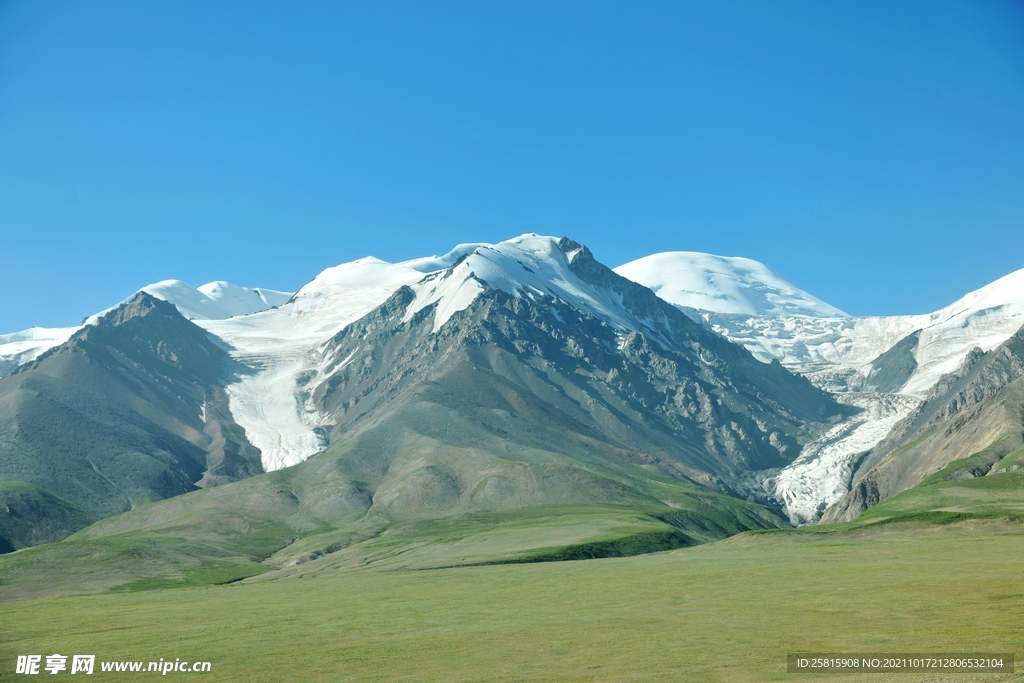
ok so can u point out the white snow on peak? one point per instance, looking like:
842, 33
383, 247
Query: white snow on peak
243, 300
34, 335
215, 300
18, 348
281, 345
1007, 290
212, 301
527, 265
432, 264
723, 284
831, 347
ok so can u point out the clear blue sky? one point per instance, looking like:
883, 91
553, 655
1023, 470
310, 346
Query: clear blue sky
870, 152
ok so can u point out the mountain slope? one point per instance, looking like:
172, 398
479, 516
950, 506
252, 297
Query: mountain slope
979, 410
127, 410
596, 370
884, 365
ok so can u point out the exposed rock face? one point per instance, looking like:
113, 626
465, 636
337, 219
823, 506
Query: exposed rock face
891, 370
980, 406
558, 396
128, 410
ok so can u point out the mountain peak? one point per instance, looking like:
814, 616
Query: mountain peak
528, 265
723, 284
215, 300
139, 305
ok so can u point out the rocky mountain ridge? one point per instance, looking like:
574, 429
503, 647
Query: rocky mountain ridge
128, 410
523, 373
647, 383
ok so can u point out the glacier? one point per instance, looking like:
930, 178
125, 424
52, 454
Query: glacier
773, 319
279, 348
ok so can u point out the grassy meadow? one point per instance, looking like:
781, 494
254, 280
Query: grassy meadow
724, 611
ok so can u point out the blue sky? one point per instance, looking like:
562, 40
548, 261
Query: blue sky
870, 152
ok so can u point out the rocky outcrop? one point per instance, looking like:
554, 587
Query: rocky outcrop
980, 407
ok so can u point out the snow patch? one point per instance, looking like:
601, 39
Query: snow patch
215, 300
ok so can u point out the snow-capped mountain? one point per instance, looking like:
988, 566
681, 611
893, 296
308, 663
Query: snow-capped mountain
212, 301
497, 376
723, 284
283, 346
775, 320
884, 365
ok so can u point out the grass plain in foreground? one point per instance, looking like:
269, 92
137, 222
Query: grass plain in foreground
725, 611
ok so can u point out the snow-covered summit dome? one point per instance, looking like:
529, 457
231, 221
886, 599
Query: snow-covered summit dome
723, 284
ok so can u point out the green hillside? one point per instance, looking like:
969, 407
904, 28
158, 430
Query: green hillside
309, 519
726, 611
942, 499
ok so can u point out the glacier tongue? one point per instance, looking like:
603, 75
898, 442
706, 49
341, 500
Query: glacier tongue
823, 472
837, 354
280, 346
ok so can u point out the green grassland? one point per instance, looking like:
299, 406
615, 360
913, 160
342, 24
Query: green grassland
724, 611
265, 591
